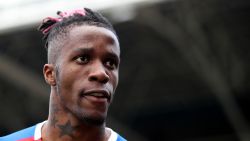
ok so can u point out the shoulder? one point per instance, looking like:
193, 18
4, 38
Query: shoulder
22, 135
115, 136
120, 138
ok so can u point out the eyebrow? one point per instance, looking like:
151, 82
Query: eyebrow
83, 50
91, 50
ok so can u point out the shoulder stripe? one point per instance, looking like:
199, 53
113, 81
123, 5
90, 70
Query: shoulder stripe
19, 135
27, 139
120, 138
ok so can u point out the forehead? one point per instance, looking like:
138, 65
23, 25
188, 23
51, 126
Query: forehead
86, 35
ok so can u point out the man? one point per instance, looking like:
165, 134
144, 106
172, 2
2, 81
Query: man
82, 70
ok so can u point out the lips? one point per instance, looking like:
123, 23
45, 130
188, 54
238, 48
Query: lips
98, 94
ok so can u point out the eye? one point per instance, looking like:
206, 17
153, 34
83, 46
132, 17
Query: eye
111, 64
82, 59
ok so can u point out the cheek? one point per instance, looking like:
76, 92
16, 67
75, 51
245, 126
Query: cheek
67, 86
66, 79
115, 79
73, 78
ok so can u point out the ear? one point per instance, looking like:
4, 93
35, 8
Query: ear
49, 74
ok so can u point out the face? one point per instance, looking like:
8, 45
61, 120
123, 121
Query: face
87, 72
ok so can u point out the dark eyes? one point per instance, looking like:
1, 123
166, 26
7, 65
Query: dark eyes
110, 63
82, 59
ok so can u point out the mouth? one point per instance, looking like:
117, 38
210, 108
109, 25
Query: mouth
97, 95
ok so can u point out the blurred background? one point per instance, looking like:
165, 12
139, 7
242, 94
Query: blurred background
184, 72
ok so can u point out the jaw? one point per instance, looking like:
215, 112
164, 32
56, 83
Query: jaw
93, 115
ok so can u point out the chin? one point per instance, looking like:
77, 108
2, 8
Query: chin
95, 119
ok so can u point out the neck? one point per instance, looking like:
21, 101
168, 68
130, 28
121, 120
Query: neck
63, 125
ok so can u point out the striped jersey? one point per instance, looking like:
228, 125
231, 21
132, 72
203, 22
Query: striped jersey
34, 134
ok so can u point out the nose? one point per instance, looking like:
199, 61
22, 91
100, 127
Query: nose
98, 74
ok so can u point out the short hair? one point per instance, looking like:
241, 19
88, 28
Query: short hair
53, 27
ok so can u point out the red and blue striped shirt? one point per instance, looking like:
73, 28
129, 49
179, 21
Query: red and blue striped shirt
34, 134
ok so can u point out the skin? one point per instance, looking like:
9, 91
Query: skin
86, 69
